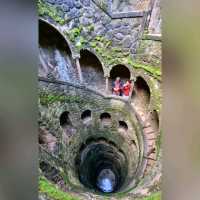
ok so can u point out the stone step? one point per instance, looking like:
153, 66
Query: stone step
153, 150
151, 143
147, 124
148, 129
150, 136
150, 163
150, 146
152, 157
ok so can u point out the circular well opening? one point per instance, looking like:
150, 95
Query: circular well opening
101, 167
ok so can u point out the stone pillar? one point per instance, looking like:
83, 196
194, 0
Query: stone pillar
76, 58
132, 85
79, 70
107, 85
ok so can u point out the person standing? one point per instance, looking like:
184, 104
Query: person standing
117, 87
126, 88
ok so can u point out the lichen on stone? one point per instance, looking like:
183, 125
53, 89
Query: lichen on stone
48, 10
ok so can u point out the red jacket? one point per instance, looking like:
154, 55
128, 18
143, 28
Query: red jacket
126, 89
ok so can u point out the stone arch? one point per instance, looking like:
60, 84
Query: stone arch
121, 71
141, 93
67, 40
55, 54
105, 69
123, 126
86, 116
92, 70
64, 119
66, 124
105, 119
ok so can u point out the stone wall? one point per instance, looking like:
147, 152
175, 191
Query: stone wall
122, 32
150, 48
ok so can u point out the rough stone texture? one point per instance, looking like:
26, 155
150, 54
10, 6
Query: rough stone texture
79, 99
155, 20
150, 48
152, 58
88, 12
112, 38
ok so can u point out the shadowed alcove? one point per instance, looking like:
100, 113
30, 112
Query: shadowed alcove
141, 94
92, 71
55, 60
119, 71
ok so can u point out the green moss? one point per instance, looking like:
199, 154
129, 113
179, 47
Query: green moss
47, 99
155, 71
90, 28
74, 33
115, 55
51, 11
52, 191
75, 36
80, 43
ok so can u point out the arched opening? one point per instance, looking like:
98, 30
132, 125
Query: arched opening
66, 124
86, 116
141, 94
92, 71
105, 119
120, 71
101, 166
123, 126
55, 55
64, 119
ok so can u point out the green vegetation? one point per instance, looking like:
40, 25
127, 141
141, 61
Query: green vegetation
75, 36
152, 70
51, 11
46, 98
74, 33
52, 191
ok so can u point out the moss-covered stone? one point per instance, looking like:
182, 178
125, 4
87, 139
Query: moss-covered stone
47, 99
52, 191
52, 11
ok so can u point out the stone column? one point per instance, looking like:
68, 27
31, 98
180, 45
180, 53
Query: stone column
76, 58
79, 70
131, 91
107, 85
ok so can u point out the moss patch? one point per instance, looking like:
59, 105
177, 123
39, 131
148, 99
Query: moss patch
52, 191
154, 71
47, 99
46, 10
75, 36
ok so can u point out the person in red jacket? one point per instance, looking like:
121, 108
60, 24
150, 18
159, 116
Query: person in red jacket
127, 88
